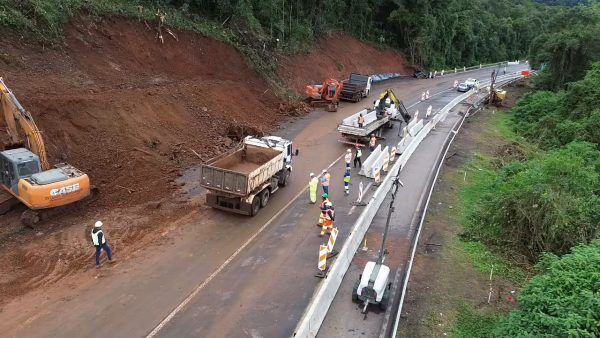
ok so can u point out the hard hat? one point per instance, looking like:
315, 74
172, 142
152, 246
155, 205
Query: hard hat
312, 174
349, 150
98, 224
325, 195
324, 171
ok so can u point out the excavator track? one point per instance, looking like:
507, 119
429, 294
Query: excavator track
7, 202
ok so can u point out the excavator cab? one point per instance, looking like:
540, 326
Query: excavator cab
22, 175
16, 164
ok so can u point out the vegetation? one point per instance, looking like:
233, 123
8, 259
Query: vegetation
553, 119
562, 301
471, 323
433, 33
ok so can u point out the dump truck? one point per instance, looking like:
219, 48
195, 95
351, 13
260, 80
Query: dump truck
356, 87
243, 180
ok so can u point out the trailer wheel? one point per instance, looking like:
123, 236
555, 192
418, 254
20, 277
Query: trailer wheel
355, 291
384, 301
264, 198
255, 207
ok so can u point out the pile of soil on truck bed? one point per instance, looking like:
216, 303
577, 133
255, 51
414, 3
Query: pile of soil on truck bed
336, 56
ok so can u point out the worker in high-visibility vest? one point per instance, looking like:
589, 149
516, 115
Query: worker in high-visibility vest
357, 157
329, 218
372, 142
325, 178
361, 120
99, 241
313, 184
324, 206
348, 158
347, 182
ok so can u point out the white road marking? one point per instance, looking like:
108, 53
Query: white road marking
354, 206
191, 296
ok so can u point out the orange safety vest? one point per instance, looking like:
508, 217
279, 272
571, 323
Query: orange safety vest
372, 141
361, 119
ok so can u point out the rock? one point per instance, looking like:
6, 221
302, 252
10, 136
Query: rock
154, 205
204, 109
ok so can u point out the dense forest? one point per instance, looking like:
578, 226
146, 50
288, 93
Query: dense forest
432, 33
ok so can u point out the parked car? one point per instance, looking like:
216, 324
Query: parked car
463, 87
472, 83
420, 75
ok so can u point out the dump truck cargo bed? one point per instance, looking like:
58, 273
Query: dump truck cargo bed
240, 172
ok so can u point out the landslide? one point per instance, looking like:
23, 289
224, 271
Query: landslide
336, 56
134, 114
127, 109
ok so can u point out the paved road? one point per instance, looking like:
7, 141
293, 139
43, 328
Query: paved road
261, 291
344, 318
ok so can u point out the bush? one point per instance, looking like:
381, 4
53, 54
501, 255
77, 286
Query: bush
547, 204
562, 301
553, 119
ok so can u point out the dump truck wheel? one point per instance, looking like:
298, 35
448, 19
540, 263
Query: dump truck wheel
285, 179
264, 198
255, 207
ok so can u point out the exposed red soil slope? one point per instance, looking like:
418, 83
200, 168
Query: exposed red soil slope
337, 56
128, 110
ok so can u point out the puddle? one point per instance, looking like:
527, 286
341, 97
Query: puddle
189, 183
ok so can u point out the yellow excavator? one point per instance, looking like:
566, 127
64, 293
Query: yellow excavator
24, 169
389, 101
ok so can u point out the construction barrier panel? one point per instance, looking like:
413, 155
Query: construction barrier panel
423, 96
393, 154
331, 241
386, 159
429, 109
377, 175
427, 95
322, 258
367, 167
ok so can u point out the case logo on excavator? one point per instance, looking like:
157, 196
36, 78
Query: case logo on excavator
66, 190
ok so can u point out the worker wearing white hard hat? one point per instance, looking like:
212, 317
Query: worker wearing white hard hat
99, 241
348, 158
313, 184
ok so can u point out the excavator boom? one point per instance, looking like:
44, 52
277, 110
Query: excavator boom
15, 113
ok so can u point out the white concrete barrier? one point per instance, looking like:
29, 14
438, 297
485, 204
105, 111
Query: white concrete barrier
367, 166
378, 162
352, 120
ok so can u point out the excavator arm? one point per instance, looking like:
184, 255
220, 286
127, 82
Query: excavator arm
14, 114
389, 94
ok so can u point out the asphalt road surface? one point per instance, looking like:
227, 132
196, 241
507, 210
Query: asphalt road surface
224, 275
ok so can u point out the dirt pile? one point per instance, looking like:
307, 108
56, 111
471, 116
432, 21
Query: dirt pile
337, 56
128, 110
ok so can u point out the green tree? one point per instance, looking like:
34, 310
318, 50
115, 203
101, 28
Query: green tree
563, 300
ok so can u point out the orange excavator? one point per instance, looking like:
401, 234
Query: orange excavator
24, 169
324, 95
